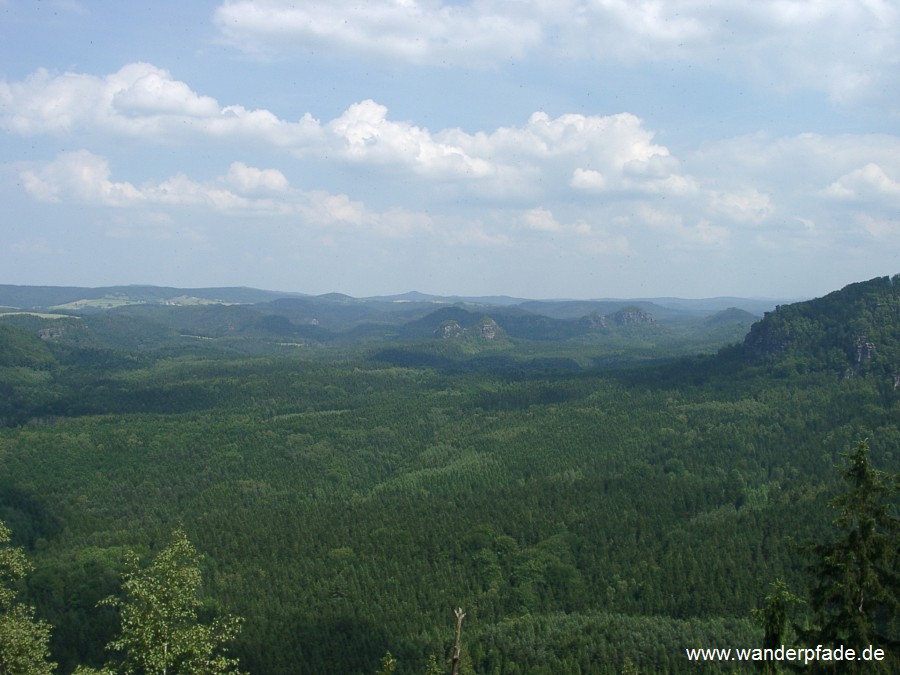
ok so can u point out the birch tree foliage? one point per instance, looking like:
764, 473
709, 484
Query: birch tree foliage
24, 640
160, 632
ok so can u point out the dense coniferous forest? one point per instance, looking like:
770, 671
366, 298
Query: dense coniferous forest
599, 485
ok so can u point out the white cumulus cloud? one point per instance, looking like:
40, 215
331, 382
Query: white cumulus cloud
142, 90
140, 100
83, 177
248, 179
541, 220
363, 133
868, 182
545, 154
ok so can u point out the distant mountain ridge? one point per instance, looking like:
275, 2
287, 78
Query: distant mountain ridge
853, 331
154, 317
48, 297
42, 298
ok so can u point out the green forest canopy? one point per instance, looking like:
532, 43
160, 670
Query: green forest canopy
347, 498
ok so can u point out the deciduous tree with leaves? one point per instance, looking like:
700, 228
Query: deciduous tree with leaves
160, 633
24, 640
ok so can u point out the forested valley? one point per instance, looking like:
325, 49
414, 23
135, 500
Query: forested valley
597, 491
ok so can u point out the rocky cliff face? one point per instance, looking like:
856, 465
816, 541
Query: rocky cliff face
765, 338
488, 328
633, 317
593, 321
449, 329
535, 327
51, 332
865, 349
485, 329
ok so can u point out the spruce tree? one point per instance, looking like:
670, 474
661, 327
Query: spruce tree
774, 620
856, 588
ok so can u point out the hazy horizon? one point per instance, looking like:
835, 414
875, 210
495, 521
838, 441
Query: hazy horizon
402, 296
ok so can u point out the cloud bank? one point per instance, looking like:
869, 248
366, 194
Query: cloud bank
845, 48
599, 173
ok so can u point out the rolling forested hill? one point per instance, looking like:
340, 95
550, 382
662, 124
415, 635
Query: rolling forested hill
598, 491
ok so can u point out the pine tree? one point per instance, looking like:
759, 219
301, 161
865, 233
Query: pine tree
24, 640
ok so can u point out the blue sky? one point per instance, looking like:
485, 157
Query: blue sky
546, 149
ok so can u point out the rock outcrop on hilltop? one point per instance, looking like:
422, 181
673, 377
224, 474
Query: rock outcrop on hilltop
632, 316
853, 331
